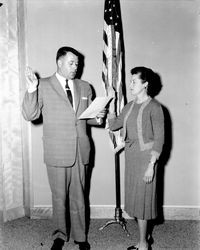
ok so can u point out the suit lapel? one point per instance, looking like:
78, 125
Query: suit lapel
57, 87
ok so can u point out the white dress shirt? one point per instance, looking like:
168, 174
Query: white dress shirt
62, 81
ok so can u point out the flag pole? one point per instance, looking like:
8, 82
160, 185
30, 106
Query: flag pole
112, 77
118, 218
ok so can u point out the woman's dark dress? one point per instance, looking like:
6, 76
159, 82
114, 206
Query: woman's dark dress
140, 198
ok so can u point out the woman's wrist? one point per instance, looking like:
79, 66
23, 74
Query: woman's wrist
153, 160
152, 163
111, 115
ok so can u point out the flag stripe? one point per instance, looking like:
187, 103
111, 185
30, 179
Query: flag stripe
112, 56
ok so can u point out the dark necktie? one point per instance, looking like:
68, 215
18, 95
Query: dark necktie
69, 93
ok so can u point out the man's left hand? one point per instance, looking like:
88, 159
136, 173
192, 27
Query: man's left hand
102, 114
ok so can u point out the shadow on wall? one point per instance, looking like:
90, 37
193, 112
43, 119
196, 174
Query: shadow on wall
164, 158
166, 152
40, 119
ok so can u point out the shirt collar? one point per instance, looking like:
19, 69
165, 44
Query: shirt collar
62, 80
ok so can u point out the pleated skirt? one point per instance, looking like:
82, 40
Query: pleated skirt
140, 197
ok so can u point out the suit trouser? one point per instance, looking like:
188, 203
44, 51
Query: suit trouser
67, 187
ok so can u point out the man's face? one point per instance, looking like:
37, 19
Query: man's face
67, 65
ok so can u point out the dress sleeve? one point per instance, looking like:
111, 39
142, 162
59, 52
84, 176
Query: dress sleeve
116, 123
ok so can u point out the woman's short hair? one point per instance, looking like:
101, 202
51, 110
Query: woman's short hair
146, 75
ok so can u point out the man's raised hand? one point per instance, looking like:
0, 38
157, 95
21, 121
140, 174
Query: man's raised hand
31, 78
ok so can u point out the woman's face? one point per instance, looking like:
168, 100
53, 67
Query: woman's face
137, 86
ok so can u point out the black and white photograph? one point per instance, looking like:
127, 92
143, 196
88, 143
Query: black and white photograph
99, 127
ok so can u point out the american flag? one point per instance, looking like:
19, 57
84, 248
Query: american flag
112, 57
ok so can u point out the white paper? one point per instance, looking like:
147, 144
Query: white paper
95, 107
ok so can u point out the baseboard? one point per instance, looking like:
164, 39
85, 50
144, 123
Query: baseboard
12, 213
108, 211
181, 212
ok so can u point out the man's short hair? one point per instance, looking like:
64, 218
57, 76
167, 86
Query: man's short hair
64, 50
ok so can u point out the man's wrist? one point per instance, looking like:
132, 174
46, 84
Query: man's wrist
99, 120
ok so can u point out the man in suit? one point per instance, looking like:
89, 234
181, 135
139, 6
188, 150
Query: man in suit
61, 99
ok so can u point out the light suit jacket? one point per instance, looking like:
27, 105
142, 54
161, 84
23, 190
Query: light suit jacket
62, 130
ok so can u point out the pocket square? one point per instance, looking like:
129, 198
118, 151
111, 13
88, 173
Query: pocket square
84, 98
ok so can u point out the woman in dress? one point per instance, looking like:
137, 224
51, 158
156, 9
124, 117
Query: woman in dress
142, 121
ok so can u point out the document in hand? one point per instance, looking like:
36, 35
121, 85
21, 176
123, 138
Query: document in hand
95, 107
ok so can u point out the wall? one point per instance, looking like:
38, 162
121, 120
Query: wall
163, 35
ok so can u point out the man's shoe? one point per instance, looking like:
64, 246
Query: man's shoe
83, 245
58, 244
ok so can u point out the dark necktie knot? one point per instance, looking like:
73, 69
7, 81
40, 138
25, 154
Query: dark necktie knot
69, 93
67, 85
